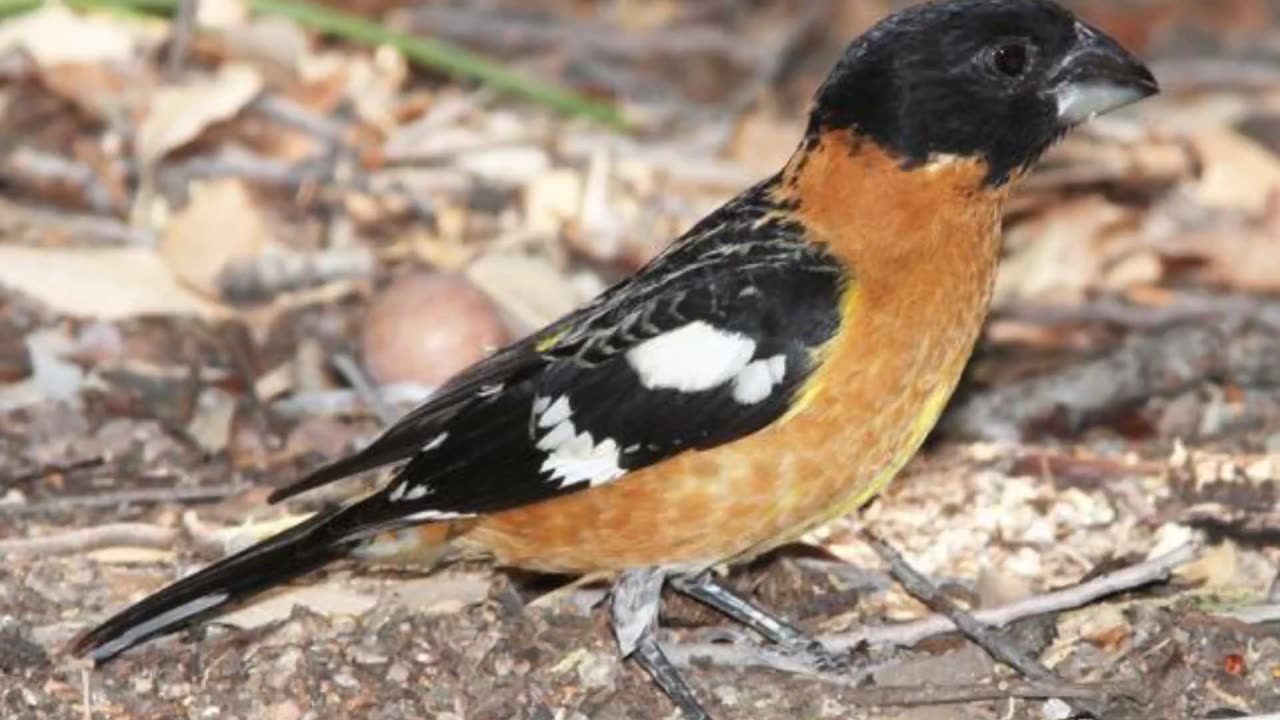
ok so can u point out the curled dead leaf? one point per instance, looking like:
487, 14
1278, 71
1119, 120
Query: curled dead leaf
220, 225
179, 114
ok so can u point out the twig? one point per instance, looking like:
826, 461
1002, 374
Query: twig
997, 646
38, 171
269, 274
1252, 615
246, 166
1163, 364
127, 497
80, 228
905, 634
357, 379
56, 468
346, 401
86, 693
297, 116
184, 25
753, 655
131, 534
1185, 307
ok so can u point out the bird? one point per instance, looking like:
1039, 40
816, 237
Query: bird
772, 369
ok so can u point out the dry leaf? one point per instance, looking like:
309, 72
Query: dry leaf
222, 14
104, 92
275, 45
552, 200
439, 594
1238, 173
179, 114
1059, 257
221, 224
210, 427
506, 165
130, 555
530, 290
54, 35
1218, 568
327, 600
103, 283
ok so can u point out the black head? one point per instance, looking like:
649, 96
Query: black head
997, 79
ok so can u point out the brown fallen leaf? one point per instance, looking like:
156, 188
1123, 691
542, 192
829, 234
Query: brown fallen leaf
181, 113
220, 225
102, 283
1245, 257
327, 600
443, 593
1060, 253
1237, 173
53, 35
531, 290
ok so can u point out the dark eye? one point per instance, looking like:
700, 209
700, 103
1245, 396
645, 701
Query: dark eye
1011, 58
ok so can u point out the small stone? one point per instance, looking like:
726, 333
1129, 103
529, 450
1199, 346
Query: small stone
1055, 709
425, 328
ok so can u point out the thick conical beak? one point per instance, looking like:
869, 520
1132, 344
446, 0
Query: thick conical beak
1098, 76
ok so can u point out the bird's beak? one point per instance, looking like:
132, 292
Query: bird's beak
1098, 76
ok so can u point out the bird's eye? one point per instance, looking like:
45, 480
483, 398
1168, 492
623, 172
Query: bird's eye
1011, 58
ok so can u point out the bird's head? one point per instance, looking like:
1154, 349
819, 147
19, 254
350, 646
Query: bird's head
998, 80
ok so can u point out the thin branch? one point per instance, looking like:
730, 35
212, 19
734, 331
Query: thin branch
37, 171
184, 27
299, 117
359, 380
128, 497
1156, 365
1184, 307
53, 468
753, 655
75, 541
922, 589
906, 634
346, 401
1252, 615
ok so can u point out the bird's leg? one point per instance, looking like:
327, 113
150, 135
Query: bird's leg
637, 597
706, 589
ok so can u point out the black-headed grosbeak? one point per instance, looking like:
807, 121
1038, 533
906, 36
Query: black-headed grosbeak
771, 370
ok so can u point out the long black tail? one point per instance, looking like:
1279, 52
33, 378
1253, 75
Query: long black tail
215, 589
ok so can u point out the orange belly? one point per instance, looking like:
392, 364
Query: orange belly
910, 321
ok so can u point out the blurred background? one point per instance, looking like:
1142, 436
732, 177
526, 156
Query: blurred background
237, 236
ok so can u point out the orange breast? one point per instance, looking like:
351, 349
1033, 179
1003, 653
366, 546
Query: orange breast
922, 246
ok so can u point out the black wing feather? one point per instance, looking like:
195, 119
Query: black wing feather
473, 448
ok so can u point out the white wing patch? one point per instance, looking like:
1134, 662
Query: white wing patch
692, 358
758, 379
435, 442
573, 457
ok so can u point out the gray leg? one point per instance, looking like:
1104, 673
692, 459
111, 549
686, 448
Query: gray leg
706, 589
637, 597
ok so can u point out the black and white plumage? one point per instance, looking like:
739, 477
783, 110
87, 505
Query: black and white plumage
706, 344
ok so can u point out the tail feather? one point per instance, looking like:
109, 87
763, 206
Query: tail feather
215, 589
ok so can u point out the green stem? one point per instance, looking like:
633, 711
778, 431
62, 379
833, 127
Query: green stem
423, 51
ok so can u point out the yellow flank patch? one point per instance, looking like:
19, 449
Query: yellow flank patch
549, 341
920, 427
814, 384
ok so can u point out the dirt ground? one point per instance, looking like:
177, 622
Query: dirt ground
193, 296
